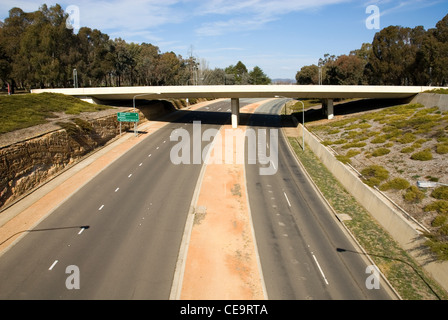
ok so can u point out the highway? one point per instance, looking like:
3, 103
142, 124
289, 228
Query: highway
297, 234
124, 228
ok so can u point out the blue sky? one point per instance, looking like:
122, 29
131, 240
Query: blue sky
279, 36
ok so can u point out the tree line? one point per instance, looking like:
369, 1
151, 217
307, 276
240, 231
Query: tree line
397, 56
37, 50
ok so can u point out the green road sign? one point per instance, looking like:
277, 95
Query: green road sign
127, 116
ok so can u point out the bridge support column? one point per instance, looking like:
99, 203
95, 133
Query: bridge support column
235, 106
327, 108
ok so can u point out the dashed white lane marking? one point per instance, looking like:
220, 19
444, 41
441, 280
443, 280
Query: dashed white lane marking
130, 175
289, 203
101, 208
52, 266
320, 269
80, 231
140, 164
149, 155
117, 189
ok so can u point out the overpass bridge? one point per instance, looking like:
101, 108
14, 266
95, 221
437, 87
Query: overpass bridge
325, 92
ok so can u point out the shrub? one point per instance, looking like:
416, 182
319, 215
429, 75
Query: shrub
379, 139
354, 145
442, 148
351, 153
330, 142
423, 155
437, 246
406, 138
362, 125
380, 152
439, 221
441, 206
343, 159
440, 193
407, 150
343, 122
84, 125
413, 195
374, 175
396, 184
444, 230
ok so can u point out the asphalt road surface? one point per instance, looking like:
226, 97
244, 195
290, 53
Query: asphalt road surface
297, 234
122, 230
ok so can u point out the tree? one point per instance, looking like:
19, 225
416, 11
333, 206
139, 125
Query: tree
239, 72
167, 69
147, 63
440, 67
346, 70
94, 57
125, 61
257, 76
308, 75
392, 55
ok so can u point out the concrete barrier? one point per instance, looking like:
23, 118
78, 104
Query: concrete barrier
401, 227
430, 100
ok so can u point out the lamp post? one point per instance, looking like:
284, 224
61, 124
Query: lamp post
75, 78
303, 120
303, 124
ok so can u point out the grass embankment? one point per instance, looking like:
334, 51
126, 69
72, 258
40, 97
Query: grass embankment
405, 275
438, 91
27, 110
402, 143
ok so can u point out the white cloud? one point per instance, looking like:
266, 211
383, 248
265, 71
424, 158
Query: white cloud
127, 16
251, 14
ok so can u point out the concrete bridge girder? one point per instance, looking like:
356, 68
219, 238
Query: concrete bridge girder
325, 92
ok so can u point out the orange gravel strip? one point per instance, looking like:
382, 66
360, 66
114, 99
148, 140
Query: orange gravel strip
222, 261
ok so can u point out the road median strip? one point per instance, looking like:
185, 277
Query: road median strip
222, 261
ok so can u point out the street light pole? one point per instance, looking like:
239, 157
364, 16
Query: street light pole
303, 125
303, 120
75, 78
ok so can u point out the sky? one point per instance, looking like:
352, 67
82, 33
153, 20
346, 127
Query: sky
279, 36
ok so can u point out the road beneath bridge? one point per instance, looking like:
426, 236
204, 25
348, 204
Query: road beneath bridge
235, 92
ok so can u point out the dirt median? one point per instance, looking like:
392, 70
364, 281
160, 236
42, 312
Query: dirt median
222, 261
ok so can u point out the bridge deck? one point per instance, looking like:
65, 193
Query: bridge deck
242, 91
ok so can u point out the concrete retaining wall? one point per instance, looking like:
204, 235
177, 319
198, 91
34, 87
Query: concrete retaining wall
401, 228
430, 100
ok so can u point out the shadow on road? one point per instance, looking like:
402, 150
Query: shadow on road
41, 230
342, 250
